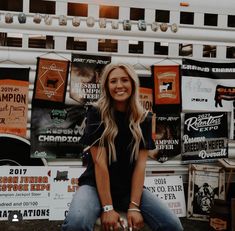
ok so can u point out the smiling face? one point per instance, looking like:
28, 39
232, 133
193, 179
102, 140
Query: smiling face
120, 88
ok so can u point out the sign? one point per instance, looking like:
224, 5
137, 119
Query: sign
85, 77
51, 80
167, 138
207, 86
166, 84
205, 137
146, 98
56, 131
169, 189
14, 84
64, 183
206, 183
26, 190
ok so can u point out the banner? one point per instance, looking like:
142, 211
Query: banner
206, 183
64, 183
146, 98
170, 190
51, 80
25, 190
207, 86
166, 84
205, 137
167, 138
85, 74
56, 131
14, 83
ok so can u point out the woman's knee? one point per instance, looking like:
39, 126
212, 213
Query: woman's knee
172, 225
78, 223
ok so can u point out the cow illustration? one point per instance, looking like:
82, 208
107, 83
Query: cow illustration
165, 86
61, 176
52, 83
225, 93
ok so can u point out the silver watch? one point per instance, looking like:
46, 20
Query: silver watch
107, 208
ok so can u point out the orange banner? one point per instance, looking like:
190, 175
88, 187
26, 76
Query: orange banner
146, 98
166, 84
51, 80
14, 100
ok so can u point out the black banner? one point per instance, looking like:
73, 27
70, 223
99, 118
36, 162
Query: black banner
168, 137
56, 131
85, 77
205, 137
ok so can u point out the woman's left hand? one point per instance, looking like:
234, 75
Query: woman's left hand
135, 220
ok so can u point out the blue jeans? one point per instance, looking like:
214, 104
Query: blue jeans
85, 208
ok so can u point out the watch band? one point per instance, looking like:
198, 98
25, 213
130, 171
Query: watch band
107, 208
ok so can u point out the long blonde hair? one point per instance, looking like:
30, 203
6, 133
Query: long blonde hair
135, 112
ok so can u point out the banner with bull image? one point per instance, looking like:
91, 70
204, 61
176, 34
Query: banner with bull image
14, 84
84, 77
207, 86
166, 85
205, 137
51, 80
56, 131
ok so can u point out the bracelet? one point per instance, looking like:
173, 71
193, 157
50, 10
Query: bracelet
107, 208
134, 203
134, 210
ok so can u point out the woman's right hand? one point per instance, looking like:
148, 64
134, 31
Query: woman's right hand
110, 220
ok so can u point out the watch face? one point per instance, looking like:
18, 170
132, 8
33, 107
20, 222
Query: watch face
107, 208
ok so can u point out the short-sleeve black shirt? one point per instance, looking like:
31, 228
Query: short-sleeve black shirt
121, 170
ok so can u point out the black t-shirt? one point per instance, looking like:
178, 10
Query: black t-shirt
121, 170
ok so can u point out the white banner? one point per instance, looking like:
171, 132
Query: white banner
64, 183
25, 190
169, 189
207, 86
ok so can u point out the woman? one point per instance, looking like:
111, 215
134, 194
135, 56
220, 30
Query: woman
118, 134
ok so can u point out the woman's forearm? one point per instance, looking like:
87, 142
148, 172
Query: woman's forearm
101, 174
138, 177
103, 185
